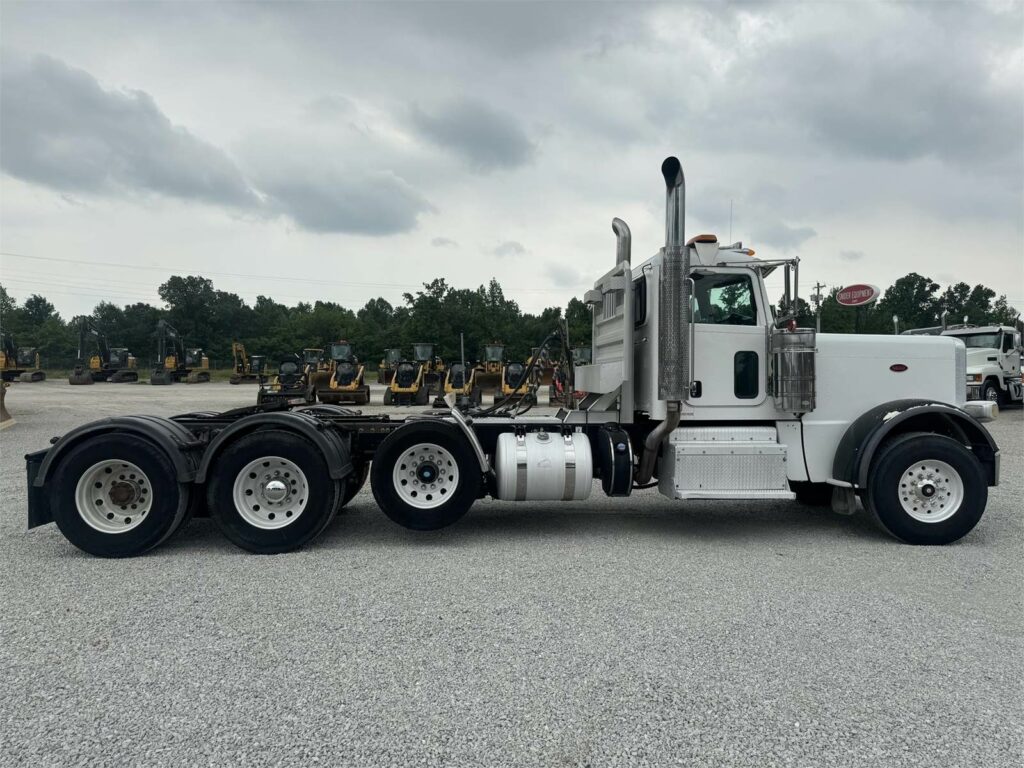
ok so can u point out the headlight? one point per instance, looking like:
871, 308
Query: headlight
974, 377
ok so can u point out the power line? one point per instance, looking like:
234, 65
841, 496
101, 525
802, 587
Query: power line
253, 276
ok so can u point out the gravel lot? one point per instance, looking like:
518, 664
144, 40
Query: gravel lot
599, 633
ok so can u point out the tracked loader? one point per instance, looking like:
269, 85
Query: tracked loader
386, 369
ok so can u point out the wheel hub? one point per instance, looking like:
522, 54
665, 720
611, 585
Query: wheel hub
270, 492
113, 496
931, 491
425, 475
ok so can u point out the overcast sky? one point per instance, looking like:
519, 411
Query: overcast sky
345, 151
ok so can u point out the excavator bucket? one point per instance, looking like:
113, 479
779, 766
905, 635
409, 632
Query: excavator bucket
5, 416
80, 375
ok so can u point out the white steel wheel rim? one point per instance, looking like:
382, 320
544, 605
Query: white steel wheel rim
270, 492
991, 393
931, 491
425, 476
113, 496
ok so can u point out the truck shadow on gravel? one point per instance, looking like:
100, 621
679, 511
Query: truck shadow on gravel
490, 523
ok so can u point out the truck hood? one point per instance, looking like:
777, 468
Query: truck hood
978, 357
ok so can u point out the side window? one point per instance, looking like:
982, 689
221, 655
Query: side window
724, 299
746, 376
1008, 342
639, 301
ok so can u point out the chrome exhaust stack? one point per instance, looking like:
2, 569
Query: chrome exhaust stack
673, 318
623, 241
674, 291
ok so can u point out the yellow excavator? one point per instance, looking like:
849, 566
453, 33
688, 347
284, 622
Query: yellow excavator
347, 383
174, 362
248, 368
19, 363
114, 364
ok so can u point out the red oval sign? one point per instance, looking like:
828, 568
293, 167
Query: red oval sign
857, 295
897, 367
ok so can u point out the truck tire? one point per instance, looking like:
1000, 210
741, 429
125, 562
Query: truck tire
270, 492
425, 476
812, 494
990, 391
422, 396
926, 489
389, 396
116, 495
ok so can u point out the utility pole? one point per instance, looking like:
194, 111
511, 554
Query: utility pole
817, 297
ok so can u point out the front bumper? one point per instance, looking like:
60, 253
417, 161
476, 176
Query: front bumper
982, 410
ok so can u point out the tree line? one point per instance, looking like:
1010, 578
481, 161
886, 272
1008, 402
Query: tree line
211, 319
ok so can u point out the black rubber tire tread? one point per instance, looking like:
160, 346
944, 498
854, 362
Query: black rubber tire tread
422, 395
389, 397
170, 506
812, 494
882, 497
391, 450
324, 492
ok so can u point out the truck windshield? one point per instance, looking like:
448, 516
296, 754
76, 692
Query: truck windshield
979, 340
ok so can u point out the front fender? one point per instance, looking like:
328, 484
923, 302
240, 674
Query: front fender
866, 434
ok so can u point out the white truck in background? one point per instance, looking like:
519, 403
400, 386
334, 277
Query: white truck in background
993, 362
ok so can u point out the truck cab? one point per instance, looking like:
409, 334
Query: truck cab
993, 362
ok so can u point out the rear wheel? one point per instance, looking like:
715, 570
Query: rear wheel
425, 476
117, 496
389, 396
270, 492
422, 395
927, 489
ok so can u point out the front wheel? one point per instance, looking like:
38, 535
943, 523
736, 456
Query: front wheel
425, 476
270, 492
927, 489
991, 392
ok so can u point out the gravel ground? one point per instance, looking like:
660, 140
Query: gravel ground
599, 633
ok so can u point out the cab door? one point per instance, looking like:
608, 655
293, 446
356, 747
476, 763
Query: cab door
729, 339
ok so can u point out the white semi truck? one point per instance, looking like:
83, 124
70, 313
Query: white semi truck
993, 362
695, 388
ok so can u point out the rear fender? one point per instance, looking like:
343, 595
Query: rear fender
331, 443
172, 438
866, 434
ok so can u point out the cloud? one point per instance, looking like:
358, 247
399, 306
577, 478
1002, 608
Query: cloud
444, 242
337, 200
851, 255
484, 137
509, 248
781, 235
60, 128
562, 275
